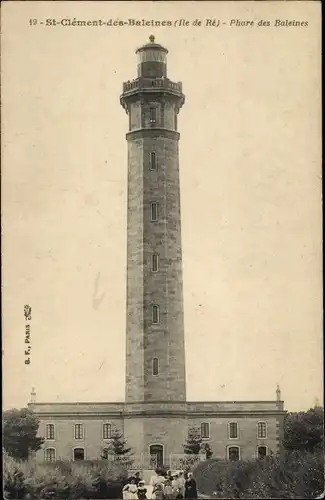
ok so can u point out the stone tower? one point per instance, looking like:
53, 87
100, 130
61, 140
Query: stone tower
155, 354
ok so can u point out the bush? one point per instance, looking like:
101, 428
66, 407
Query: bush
296, 475
45, 481
304, 430
91, 479
108, 479
13, 478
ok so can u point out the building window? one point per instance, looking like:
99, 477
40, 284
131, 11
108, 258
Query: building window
79, 454
205, 430
50, 454
233, 430
175, 121
49, 432
153, 161
261, 430
106, 431
233, 453
154, 263
154, 211
153, 115
155, 366
78, 431
155, 314
261, 451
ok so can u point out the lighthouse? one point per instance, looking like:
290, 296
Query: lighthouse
155, 354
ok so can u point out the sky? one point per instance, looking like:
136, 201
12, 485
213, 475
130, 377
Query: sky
250, 175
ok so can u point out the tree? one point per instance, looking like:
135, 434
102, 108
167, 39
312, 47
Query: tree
117, 445
19, 433
193, 442
304, 430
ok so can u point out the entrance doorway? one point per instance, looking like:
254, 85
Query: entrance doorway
233, 453
79, 454
262, 451
158, 451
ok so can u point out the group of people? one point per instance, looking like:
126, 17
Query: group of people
135, 488
174, 486
165, 486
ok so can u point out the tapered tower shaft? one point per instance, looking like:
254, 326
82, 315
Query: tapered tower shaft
155, 354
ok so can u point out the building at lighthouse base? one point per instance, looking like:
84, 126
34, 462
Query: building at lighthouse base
234, 430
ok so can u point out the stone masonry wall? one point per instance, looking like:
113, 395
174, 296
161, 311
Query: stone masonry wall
145, 431
64, 441
247, 434
169, 115
135, 115
169, 432
231, 406
68, 409
176, 374
164, 288
134, 322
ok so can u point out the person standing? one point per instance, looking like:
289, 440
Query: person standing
130, 490
157, 478
175, 486
137, 478
142, 491
168, 490
181, 485
157, 482
190, 487
158, 492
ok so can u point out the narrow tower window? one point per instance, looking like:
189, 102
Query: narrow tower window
155, 314
154, 263
153, 161
154, 211
155, 366
153, 115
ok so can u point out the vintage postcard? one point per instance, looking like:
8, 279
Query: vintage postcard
162, 250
